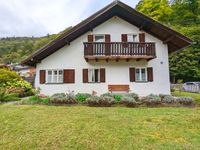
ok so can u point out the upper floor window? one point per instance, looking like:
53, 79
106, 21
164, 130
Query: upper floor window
54, 76
93, 75
141, 74
131, 38
99, 38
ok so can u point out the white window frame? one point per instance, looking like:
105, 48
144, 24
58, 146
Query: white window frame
52, 76
91, 75
140, 74
98, 35
136, 37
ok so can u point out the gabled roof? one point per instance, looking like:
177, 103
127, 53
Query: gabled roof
173, 39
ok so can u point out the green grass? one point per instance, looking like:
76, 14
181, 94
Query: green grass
80, 127
196, 96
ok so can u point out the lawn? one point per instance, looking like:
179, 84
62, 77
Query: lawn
81, 127
196, 96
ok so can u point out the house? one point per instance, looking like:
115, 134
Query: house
117, 49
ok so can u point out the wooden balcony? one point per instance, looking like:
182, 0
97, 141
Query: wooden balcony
119, 50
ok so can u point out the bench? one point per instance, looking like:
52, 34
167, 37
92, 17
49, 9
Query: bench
118, 88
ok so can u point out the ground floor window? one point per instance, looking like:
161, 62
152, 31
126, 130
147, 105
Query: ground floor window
94, 75
54, 76
141, 74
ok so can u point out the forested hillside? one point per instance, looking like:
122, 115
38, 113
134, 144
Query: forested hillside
183, 16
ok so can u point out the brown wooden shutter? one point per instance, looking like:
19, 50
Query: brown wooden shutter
90, 45
85, 75
102, 75
107, 38
42, 76
150, 74
90, 38
142, 37
107, 45
69, 76
132, 74
124, 38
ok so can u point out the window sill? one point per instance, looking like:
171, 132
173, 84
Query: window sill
141, 81
53, 83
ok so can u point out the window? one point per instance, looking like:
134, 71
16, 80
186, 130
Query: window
55, 76
131, 38
99, 38
93, 75
141, 74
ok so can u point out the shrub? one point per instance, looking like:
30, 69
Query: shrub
103, 101
117, 97
169, 99
62, 98
185, 100
173, 90
81, 97
152, 100
13, 83
6, 97
129, 101
36, 100
133, 95
107, 94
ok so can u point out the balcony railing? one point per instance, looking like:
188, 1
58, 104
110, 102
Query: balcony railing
119, 50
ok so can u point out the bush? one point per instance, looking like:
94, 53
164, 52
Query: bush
5, 97
62, 98
107, 94
169, 99
13, 83
173, 90
152, 100
133, 95
117, 97
36, 100
103, 101
129, 101
81, 97
185, 100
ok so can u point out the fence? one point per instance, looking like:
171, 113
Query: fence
195, 88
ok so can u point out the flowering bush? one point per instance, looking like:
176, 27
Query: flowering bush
13, 83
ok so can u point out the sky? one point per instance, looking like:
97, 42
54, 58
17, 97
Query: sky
41, 17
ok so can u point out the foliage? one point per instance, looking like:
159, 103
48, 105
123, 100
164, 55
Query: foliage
107, 94
151, 100
183, 16
195, 96
13, 83
133, 95
62, 98
36, 100
169, 99
185, 100
117, 97
81, 97
129, 101
103, 101
6, 97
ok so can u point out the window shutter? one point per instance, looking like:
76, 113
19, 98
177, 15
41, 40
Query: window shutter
142, 37
132, 74
102, 75
124, 38
42, 76
150, 74
107, 38
69, 76
90, 38
85, 75
107, 45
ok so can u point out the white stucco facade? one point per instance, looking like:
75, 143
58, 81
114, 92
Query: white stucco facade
72, 57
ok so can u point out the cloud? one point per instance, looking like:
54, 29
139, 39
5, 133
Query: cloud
40, 17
